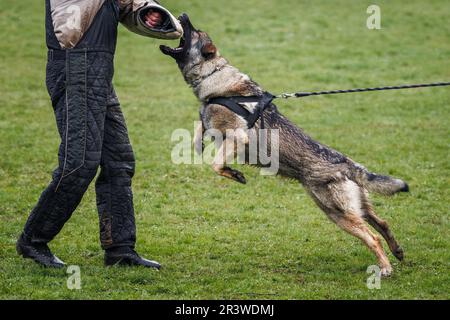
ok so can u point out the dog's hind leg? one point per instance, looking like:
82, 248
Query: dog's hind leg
383, 228
226, 153
355, 225
341, 201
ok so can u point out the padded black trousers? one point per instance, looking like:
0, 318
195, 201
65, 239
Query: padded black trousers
93, 135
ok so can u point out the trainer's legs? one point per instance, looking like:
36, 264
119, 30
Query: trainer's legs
79, 102
113, 185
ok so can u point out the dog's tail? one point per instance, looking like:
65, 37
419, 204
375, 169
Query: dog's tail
377, 183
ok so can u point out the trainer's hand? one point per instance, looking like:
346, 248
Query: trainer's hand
153, 19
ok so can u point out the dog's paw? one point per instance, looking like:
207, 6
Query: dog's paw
386, 271
399, 254
234, 175
239, 177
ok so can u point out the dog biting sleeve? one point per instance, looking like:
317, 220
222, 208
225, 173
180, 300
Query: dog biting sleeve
132, 16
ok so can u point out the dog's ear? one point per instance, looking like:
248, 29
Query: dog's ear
209, 50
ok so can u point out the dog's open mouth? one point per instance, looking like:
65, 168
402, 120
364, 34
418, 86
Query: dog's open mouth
174, 51
183, 47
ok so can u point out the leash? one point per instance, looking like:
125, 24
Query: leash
320, 93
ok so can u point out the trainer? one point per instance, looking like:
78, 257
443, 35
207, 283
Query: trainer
81, 39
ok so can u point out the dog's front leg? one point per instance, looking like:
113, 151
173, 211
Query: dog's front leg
226, 153
199, 146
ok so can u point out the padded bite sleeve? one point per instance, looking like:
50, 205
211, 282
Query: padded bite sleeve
132, 13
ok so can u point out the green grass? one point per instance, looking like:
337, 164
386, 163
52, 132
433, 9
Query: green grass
218, 239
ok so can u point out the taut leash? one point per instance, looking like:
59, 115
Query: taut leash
320, 93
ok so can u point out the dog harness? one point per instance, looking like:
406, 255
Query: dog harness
235, 104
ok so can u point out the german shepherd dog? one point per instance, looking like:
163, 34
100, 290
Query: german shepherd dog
338, 185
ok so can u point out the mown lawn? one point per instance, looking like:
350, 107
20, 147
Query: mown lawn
219, 239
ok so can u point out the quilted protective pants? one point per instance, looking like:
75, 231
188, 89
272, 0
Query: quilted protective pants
93, 134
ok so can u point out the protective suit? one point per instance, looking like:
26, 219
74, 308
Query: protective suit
81, 38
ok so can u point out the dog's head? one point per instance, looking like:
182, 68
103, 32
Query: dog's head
195, 49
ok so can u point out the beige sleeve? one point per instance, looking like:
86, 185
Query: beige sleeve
131, 16
72, 18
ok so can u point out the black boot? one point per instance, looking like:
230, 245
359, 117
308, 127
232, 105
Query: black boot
125, 256
39, 252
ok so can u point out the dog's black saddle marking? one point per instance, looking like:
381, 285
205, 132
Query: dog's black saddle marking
234, 104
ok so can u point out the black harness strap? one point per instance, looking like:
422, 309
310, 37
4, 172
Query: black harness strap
234, 104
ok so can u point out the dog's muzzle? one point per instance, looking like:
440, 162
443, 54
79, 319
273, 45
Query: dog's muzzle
183, 48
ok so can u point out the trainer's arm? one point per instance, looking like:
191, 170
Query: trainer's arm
137, 16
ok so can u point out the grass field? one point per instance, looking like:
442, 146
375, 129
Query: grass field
266, 240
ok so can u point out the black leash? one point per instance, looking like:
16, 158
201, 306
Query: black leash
319, 93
